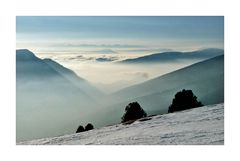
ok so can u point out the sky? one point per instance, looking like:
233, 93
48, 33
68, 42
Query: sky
121, 34
79, 42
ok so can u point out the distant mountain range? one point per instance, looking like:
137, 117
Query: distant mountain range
176, 56
52, 100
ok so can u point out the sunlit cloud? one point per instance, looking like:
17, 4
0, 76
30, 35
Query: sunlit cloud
144, 75
96, 45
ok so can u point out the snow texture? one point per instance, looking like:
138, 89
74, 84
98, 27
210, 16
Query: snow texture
203, 125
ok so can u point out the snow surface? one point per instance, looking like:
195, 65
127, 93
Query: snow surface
203, 125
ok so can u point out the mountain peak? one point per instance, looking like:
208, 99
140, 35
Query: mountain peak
25, 54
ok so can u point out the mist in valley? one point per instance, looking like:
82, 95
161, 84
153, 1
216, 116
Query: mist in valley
75, 70
54, 97
112, 76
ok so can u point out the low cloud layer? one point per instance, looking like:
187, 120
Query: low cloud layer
146, 50
81, 58
96, 45
101, 58
104, 59
105, 51
144, 75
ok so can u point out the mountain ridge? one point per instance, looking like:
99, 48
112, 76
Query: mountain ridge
176, 56
49, 98
155, 95
162, 76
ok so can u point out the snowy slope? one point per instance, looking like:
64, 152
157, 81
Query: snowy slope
203, 125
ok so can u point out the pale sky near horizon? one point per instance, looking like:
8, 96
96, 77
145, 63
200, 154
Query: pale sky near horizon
77, 43
121, 34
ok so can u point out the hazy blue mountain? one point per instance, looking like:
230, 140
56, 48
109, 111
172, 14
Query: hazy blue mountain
51, 99
205, 79
61, 69
176, 56
28, 65
31, 69
75, 79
